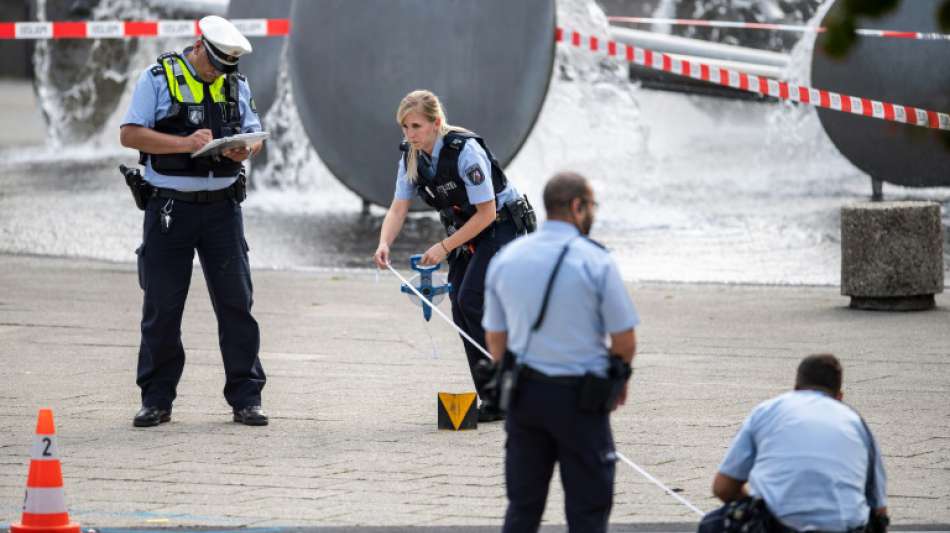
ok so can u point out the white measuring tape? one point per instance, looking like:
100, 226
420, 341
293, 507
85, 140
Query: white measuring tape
658, 483
439, 311
623, 457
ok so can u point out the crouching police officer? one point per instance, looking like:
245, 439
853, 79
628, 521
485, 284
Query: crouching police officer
179, 105
551, 298
802, 461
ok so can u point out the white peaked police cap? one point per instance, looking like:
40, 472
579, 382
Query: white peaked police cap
227, 44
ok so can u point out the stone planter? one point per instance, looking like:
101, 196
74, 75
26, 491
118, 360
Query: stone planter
891, 255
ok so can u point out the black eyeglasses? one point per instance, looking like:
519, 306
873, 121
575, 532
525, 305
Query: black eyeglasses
590, 202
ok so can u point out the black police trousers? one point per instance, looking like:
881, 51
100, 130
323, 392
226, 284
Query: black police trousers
545, 426
467, 276
216, 231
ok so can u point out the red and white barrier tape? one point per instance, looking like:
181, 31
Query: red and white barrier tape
124, 29
759, 84
779, 27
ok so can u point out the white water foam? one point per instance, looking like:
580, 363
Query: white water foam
692, 189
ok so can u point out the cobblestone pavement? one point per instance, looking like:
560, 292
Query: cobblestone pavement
353, 375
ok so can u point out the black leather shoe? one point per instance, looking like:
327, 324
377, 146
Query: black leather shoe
488, 413
151, 416
252, 415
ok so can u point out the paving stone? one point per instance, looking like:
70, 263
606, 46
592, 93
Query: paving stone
353, 438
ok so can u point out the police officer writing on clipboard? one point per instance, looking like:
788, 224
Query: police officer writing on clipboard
178, 106
551, 301
453, 171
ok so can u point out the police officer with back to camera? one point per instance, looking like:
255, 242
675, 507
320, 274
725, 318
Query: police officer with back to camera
551, 301
802, 461
180, 104
453, 171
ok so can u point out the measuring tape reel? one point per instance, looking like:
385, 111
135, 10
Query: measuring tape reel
431, 285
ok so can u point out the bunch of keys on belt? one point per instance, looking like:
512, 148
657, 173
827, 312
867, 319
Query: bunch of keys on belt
165, 215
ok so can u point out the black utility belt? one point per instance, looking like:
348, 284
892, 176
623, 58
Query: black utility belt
595, 394
520, 213
531, 374
198, 197
142, 190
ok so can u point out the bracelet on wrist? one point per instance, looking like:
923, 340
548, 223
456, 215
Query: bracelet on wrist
442, 242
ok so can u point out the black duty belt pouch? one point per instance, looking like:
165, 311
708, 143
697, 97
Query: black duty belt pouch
530, 218
750, 515
600, 395
594, 394
522, 215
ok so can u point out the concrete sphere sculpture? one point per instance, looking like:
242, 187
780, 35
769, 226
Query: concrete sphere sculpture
900, 71
351, 61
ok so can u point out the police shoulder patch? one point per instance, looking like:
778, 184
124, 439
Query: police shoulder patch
474, 174
157, 70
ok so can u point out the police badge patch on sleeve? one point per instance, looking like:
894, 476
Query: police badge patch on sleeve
475, 175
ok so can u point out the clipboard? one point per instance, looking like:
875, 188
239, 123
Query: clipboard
216, 146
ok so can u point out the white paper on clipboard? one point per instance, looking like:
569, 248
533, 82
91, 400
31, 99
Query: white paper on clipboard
241, 139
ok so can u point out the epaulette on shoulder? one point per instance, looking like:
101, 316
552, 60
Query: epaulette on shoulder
457, 139
595, 243
457, 142
157, 70
240, 76
165, 55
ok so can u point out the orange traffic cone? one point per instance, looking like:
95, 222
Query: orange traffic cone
44, 510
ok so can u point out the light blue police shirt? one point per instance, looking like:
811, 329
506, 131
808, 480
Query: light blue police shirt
806, 454
588, 301
472, 155
151, 102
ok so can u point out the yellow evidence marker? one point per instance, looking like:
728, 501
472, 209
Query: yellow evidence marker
458, 411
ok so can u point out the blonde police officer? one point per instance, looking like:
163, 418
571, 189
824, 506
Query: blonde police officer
180, 104
452, 170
